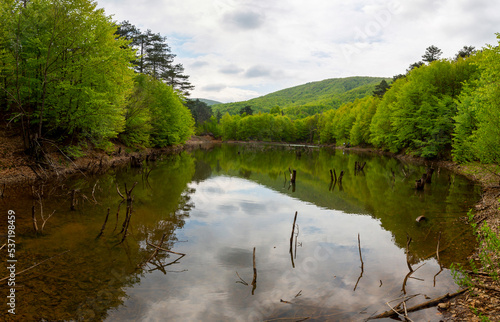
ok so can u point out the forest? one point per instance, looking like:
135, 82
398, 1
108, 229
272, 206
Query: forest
440, 108
72, 77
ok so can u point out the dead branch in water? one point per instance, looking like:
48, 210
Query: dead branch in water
291, 239
117, 214
128, 212
254, 282
155, 252
439, 262
362, 264
33, 216
73, 200
408, 241
104, 225
241, 281
93, 192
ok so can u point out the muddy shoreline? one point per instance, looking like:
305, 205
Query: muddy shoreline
17, 170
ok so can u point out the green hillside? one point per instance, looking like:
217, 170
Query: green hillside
310, 98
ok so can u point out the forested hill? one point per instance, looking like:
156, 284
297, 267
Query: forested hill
208, 102
308, 99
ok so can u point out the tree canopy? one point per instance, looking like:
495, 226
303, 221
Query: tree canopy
66, 75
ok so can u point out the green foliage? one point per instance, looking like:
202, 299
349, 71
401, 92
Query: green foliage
268, 127
381, 88
309, 99
417, 112
432, 53
138, 126
477, 134
171, 121
350, 123
74, 151
201, 111
66, 72
488, 255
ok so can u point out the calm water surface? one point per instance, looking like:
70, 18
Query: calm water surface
216, 206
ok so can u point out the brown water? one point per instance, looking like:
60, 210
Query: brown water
215, 206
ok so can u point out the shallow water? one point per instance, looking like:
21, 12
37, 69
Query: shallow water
216, 206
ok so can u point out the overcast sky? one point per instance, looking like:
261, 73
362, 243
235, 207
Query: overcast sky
234, 50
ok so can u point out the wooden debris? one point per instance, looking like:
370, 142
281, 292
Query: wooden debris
425, 305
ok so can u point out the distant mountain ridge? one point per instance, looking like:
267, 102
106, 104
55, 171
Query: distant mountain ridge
208, 102
310, 98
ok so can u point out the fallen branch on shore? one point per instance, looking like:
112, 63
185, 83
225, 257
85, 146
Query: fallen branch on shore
421, 306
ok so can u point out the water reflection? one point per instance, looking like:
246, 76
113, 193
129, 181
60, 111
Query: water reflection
216, 206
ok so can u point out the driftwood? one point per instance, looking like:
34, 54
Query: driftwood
421, 306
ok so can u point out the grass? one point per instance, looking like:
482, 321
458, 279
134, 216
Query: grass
489, 255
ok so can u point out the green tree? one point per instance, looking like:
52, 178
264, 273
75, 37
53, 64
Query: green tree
417, 112
201, 111
174, 76
247, 110
465, 52
155, 57
381, 88
171, 120
65, 73
477, 134
138, 119
432, 53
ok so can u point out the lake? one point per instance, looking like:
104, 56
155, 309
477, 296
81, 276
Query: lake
211, 237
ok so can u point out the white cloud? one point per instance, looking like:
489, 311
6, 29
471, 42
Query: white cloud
289, 43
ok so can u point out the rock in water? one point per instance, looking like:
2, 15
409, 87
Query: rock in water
421, 218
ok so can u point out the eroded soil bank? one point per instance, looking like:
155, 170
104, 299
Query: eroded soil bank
16, 169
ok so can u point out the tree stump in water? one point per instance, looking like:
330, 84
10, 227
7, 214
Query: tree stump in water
429, 173
420, 183
135, 162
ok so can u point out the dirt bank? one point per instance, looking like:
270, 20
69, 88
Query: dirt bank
16, 168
